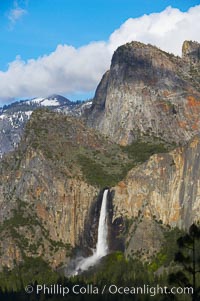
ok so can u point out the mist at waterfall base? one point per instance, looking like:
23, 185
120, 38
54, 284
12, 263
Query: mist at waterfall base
82, 264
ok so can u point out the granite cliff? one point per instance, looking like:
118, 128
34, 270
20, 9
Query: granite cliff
50, 186
165, 190
149, 92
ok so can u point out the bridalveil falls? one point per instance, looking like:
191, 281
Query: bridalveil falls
102, 242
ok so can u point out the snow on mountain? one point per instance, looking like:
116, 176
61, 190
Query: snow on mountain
13, 117
51, 101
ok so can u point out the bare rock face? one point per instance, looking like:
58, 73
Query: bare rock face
48, 186
165, 188
191, 52
42, 211
145, 238
148, 92
44, 198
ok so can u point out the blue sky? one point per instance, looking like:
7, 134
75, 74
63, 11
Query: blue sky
35, 29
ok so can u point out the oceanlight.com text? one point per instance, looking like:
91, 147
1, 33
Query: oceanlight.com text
112, 289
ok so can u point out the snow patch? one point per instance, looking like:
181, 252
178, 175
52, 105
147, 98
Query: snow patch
3, 116
37, 100
28, 113
49, 102
46, 102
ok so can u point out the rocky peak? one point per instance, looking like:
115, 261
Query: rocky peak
145, 64
147, 91
191, 51
139, 55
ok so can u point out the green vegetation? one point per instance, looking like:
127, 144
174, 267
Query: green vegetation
19, 217
130, 156
100, 174
21, 228
115, 269
140, 151
110, 169
166, 255
188, 255
79, 151
26, 272
76, 150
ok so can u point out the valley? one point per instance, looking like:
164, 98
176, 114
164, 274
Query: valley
138, 139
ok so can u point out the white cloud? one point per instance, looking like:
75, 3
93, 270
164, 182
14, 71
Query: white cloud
166, 30
68, 70
16, 13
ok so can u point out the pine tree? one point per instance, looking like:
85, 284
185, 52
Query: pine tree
189, 257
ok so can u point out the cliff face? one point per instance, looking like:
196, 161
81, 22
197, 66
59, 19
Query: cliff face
191, 52
42, 211
44, 197
48, 184
148, 91
164, 190
166, 186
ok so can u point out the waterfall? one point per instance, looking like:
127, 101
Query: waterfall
102, 244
